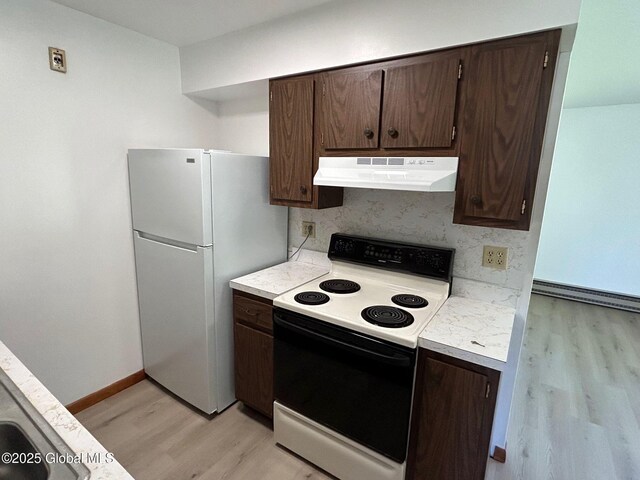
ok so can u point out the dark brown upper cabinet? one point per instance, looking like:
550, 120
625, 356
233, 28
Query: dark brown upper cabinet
485, 103
419, 104
400, 104
351, 109
502, 130
292, 161
291, 139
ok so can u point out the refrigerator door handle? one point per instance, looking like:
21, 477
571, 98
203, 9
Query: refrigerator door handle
168, 241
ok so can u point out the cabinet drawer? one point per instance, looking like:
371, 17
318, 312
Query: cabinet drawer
252, 313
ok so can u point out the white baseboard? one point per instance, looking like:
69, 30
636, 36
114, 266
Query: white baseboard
587, 295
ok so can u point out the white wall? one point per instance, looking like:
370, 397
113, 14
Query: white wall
68, 303
591, 230
601, 70
242, 125
345, 32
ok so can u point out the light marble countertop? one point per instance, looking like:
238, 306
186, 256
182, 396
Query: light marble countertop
476, 312
471, 330
271, 282
70, 430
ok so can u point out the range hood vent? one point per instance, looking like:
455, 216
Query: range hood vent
418, 174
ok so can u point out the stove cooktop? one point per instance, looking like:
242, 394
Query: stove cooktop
384, 289
377, 292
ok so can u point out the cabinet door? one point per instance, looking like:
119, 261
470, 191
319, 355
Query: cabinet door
419, 104
502, 131
254, 368
350, 109
291, 139
448, 439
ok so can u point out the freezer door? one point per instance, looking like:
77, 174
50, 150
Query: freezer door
171, 194
175, 293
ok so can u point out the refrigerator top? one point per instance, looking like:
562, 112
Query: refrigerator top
171, 194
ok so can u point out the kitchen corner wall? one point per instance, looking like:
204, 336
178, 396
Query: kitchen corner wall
354, 31
68, 302
425, 218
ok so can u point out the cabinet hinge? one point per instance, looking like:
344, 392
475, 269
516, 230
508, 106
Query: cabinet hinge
459, 70
453, 133
546, 60
524, 207
487, 390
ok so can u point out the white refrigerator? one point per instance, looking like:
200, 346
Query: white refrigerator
200, 218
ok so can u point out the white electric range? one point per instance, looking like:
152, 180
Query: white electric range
345, 349
389, 305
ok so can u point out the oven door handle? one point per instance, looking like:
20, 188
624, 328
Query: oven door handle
396, 360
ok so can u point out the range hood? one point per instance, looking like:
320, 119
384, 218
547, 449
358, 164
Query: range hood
419, 174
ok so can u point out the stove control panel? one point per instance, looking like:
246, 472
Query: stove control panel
434, 262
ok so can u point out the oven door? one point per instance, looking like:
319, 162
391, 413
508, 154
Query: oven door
353, 384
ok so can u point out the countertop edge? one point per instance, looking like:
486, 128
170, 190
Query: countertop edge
74, 434
460, 354
252, 290
278, 279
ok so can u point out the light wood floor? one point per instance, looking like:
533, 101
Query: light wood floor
156, 437
576, 413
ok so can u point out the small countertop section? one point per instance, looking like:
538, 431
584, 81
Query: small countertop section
70, 430
471, 330
271, 282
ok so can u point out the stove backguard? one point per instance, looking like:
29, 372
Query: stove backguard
432, 262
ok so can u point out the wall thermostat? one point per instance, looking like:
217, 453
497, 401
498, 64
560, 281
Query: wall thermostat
57, 60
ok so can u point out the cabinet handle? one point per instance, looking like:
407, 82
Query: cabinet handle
368, 133
303, 190
249, 312
476, 199
393, 133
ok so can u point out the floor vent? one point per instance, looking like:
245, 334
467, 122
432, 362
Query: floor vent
587, 295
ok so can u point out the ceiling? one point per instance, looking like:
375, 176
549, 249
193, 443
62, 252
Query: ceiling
604, 68
183, 22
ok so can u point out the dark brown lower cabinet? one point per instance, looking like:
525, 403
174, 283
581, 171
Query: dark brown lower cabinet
453, 409
253, 337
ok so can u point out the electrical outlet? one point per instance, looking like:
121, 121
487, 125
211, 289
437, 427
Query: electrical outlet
309, 228
495, 257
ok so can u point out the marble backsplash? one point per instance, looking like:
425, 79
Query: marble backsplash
416, 217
